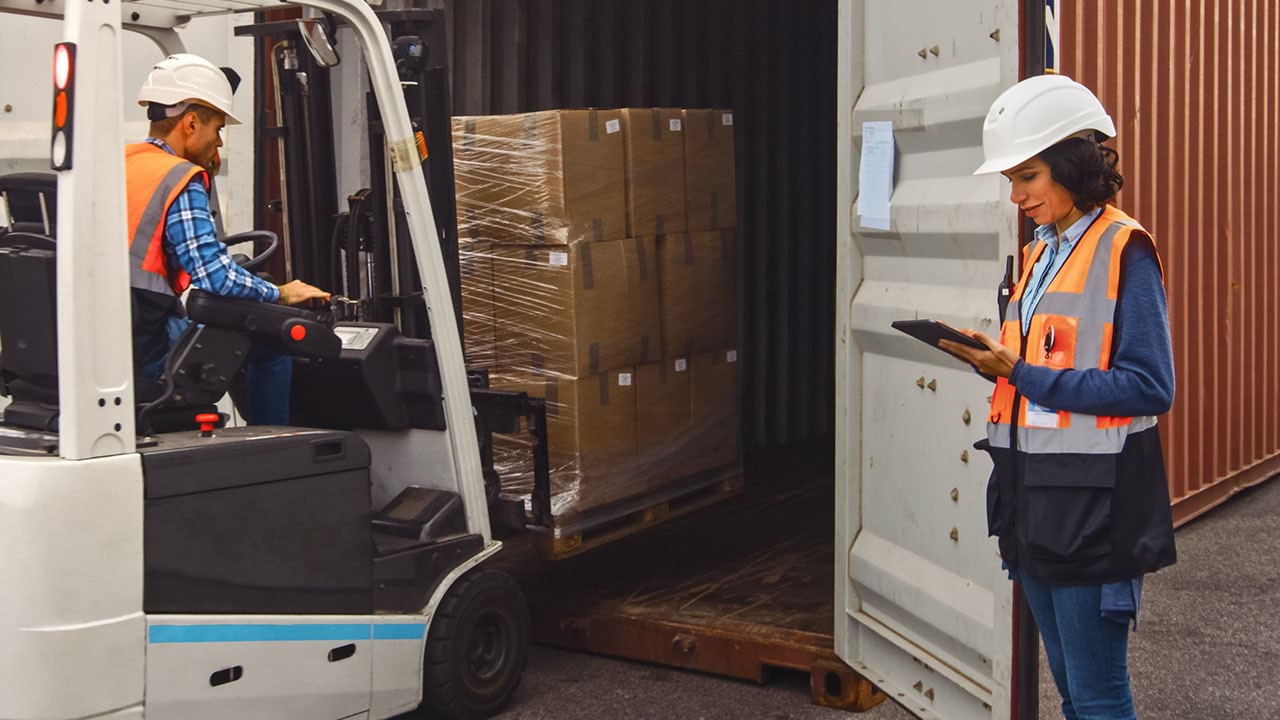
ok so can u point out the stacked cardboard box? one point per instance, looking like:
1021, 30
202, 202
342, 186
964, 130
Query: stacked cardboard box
711, 192
605, 299
553, 177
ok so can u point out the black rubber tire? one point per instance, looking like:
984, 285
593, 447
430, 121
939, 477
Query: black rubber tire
476, 647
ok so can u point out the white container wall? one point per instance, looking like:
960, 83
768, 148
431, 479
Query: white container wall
922, 606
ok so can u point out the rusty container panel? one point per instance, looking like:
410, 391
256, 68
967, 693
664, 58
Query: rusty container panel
1192, 86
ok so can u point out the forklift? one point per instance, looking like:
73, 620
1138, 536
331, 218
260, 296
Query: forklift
158, 563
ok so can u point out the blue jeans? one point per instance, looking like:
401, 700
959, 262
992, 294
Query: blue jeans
268, 378
1088, 654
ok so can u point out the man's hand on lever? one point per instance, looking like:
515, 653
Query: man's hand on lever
996, 361
297, 292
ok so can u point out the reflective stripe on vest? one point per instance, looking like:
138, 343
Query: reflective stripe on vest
1077, 312
154, 179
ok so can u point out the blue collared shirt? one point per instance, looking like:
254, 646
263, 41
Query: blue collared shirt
1057, 249
191, 243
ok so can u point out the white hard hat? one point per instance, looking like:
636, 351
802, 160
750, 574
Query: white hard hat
1036, 113
188, 78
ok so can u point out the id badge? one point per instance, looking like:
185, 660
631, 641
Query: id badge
1040, 416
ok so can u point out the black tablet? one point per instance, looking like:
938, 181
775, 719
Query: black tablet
931, 331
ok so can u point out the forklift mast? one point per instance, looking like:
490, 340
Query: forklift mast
364, 251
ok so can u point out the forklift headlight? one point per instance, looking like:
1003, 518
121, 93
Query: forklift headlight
64, 70
62, 65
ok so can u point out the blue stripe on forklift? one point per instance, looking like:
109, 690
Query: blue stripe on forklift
282, 633
399, 631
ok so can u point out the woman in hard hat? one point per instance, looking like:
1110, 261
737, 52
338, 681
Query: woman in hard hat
1084, 364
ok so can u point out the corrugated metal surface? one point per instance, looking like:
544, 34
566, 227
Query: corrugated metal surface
1192, 86
774, 64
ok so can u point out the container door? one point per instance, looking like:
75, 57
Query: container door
923, 609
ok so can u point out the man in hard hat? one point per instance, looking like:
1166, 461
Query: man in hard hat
172, 240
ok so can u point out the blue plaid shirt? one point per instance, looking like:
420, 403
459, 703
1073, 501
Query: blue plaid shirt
191, 243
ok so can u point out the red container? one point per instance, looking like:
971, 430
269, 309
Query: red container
1194, 88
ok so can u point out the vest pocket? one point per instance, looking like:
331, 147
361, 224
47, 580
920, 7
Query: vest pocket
1000, 492
1066, 506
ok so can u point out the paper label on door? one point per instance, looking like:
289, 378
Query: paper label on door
682, 365
624, 379
559, 258
674, 125
731, 356
1040, 416
612, 126
726, 119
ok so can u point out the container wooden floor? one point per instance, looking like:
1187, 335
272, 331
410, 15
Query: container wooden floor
735, 589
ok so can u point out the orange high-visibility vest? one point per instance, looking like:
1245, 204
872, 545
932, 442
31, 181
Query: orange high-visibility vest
153, 180
1076, 498
1071, 329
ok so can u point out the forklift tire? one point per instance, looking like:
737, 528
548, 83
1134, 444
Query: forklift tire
476, 647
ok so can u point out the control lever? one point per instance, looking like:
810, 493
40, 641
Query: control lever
345, 309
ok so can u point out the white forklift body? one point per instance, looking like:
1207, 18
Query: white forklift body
75, 641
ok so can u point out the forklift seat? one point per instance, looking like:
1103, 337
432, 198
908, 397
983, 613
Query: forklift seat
29, 349
32, 201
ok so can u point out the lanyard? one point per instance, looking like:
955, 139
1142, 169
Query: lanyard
1046, 277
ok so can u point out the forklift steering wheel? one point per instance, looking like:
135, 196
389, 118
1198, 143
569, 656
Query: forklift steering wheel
265, 244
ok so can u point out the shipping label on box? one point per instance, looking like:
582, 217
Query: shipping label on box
552, 177
710, 184
578, 310
655, 174
699, 294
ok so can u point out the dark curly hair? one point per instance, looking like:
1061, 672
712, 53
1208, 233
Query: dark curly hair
1086, 169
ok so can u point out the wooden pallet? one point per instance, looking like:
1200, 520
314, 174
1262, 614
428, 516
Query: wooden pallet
740, 589
576, 533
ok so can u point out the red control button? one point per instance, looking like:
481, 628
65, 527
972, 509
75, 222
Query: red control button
208, 421
298, 333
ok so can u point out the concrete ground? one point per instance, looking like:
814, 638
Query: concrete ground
1208, 646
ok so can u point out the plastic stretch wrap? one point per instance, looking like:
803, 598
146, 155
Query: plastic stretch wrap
553, 177
630, 340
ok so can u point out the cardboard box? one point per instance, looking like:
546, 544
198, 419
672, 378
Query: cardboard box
552, 177
479, 325
591, 435
710, 185
577, 310
714, 415
654, 140
699, 292
662, 419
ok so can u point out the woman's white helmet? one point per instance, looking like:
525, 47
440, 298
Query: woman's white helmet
1036, 113
188, 78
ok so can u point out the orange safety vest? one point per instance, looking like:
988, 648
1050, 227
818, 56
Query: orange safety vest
153, 180
1075, 498
1071, 329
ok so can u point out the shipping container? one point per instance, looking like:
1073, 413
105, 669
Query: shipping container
870, 501
915, 574
1195, 104
920, 605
